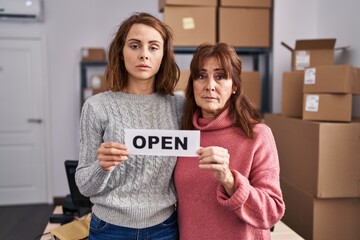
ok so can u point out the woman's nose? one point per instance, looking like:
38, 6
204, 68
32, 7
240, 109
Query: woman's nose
144, 55
210, 85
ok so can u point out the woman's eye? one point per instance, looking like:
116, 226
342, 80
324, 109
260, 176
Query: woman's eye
134, 46
219, 77
201, 77
154, 48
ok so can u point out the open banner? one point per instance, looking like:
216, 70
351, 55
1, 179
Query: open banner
162, 142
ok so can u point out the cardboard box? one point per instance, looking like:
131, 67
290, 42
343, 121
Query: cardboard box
252, 87
246, 3
311, 53
320, 219
292, 94
183, 80
208, 3
327, 107
321, 158
332, 79
93, 54
244, 27
191, 25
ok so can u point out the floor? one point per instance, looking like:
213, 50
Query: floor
24, 222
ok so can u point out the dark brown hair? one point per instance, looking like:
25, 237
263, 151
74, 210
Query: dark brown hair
116, 76
245, 115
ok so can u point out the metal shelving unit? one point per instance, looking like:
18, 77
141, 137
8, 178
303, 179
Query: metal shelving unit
83, 76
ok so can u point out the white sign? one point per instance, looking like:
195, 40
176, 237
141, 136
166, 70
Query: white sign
162, 142
310, 76
312, 103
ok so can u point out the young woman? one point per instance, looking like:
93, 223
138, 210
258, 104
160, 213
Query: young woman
133, 195
232, 190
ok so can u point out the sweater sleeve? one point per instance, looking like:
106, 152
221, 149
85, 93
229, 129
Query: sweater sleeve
258, 199
90, 178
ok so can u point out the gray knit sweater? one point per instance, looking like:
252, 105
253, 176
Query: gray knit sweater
140, 192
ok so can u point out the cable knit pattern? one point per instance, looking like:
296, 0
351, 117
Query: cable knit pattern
205, 212
139, 193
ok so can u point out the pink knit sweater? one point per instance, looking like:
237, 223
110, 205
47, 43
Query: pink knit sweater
205, 211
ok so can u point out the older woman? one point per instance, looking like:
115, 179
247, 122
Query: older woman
231, 190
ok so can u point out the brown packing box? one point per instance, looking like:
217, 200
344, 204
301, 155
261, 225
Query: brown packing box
321, 158
191, 25
93, 54
244, 27
327, 107
252, 87
183, 80
163, 3
311, 53
246, 3
292, 94
332, 79
321, 219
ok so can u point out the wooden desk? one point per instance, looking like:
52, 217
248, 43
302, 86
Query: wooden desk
281, 230
51, 226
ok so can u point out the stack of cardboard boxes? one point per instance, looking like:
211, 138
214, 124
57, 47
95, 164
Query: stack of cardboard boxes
319, 144
240, 23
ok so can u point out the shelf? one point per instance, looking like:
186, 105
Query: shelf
83, 76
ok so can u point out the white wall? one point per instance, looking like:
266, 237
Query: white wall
70, 25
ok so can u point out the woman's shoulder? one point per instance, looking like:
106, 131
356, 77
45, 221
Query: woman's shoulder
262, 129
98, 98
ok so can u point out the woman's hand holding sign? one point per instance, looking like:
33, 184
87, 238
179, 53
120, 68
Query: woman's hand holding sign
111, 154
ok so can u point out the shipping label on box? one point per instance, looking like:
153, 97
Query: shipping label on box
302, 59
312, 103
310, 76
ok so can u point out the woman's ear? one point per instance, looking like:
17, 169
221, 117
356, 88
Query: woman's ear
234, 89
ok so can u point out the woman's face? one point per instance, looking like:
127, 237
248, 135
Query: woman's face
143, 51
211, 90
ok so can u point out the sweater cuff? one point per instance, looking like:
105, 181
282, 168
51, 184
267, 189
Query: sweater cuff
242, 190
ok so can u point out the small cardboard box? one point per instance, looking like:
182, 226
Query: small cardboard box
93, 54
292, 94
321, 158
244, 27
252, 87
311, 53
332, 79
327, 107
191, 25
207, 3
246, 3
320, 219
